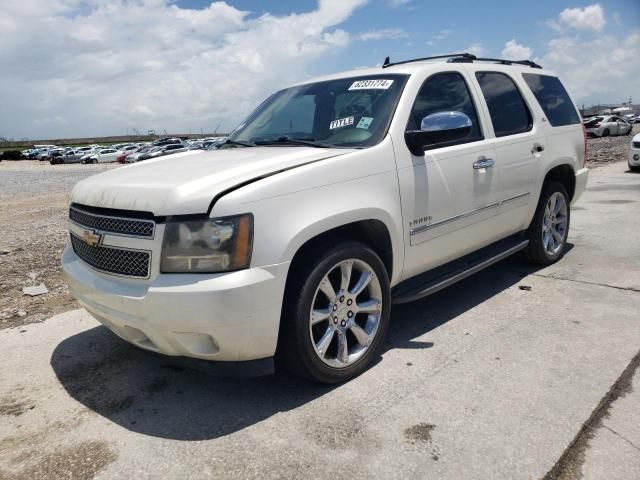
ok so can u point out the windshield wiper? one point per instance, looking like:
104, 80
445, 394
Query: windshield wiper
228, 141
294, 141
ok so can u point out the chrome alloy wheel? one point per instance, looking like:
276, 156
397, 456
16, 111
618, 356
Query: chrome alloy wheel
345, 313
554, 224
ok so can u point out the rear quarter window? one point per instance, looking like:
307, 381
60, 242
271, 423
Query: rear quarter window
553, 98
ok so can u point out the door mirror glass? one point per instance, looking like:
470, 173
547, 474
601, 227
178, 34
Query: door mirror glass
445, 121
438, 129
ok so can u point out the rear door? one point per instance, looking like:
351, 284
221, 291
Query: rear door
519, 145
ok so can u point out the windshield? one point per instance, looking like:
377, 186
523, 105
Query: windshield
347, 112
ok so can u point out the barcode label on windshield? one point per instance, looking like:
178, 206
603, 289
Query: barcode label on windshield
371, 85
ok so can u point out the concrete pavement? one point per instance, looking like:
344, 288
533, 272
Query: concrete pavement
482, 380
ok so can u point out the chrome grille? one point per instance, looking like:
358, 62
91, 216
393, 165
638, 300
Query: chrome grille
636, 144
119, 261
118, 225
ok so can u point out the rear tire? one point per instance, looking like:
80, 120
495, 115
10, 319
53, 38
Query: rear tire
605, 132
333, 327
549, 228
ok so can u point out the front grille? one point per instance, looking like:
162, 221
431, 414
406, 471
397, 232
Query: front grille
117, 225
131, 263
636, 144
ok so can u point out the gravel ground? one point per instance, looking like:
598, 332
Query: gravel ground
604, 150
33, 206
33, 229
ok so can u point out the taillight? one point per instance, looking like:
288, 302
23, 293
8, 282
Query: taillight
584, 133
595, 125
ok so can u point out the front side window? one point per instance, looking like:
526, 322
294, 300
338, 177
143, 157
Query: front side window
508, 110
346, 112
445, 92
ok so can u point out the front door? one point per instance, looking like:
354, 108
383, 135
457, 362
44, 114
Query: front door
449, 193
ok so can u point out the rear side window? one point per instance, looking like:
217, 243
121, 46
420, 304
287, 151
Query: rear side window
553, 99
509, 112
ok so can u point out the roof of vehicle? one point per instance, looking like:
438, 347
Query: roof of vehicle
409, 67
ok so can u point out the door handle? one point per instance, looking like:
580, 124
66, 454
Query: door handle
537, 148
483, 163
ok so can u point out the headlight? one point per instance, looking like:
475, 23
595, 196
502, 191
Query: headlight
207, 246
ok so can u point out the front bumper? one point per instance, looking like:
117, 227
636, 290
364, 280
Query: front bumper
581, 183
230, 317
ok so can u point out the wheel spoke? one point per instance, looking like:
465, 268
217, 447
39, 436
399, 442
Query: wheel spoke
361, 335
325, 341
546, 240
345, 270
327, 289
343, 348
552, 204
318, 316
370, 306
363, 281
556, 236
559, 220
559, 201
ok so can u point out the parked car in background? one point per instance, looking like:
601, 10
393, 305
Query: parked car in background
605, 125
169, 149
11, 155
105, 155
634, 153
65, 156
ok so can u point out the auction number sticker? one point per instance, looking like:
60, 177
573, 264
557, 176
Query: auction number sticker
371, 84
341, 122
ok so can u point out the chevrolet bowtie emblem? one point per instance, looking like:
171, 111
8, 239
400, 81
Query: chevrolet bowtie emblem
92, 238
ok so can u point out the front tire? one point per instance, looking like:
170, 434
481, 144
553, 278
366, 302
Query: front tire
550, 226
336, 314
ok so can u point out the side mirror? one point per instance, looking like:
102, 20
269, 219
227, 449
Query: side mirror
436, 129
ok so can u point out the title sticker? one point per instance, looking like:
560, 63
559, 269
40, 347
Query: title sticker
364, 122
341, 122
371, 85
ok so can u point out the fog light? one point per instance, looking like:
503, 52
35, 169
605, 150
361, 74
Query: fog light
636, 157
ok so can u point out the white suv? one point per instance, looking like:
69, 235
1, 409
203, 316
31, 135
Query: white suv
336, 198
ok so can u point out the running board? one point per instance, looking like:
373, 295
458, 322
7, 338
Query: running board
441, 277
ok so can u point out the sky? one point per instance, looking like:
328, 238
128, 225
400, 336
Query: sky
78, 68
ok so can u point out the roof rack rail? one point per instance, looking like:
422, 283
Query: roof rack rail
502, 61
462, 58
387, 62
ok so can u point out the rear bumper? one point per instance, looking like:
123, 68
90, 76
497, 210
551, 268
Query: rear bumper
581, 183
230, 317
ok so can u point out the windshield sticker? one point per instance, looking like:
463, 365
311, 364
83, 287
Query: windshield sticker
341, 122
364, 122
371, 85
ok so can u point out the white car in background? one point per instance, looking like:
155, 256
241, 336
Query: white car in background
605, 125
105, 155
634, 153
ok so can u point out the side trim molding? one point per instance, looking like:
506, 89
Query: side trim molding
424, 228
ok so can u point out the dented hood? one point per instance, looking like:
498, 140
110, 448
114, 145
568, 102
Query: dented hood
186, 183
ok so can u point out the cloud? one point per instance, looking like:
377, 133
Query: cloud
441, 35
386, 33
398, 3
106, 66
602, 69
589, 18
476, 49
515, 51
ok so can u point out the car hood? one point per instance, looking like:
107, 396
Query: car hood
186, 183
